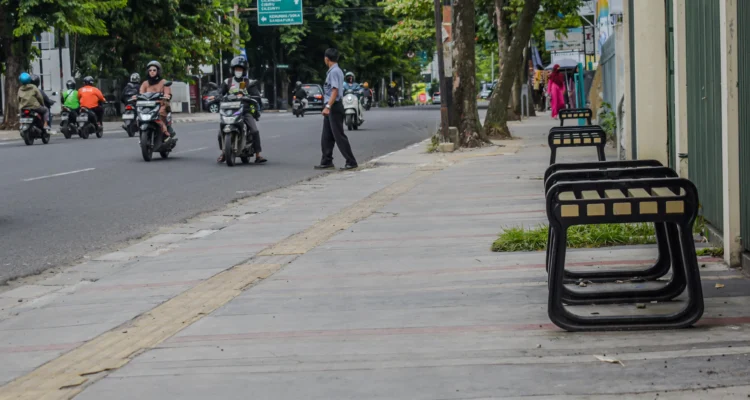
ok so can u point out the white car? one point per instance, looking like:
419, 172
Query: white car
436, 98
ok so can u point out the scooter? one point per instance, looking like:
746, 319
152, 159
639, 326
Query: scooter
353, 110
68, 125
32, 127
130, 123
88, 124
233, 134
152, 138
298, 109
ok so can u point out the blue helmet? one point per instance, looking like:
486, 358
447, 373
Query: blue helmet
25, 78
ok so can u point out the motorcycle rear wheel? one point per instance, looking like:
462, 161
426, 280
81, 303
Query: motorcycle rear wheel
84, 132
27, 139
45, 137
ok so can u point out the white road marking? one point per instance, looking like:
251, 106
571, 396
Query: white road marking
56, 175
191, 150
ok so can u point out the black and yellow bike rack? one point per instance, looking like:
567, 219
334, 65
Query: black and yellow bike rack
577, 136
624, 195
575, 113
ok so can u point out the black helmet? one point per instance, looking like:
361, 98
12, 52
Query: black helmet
154, 64
135, 78
238, 61
70, 84
88, 81
36, 80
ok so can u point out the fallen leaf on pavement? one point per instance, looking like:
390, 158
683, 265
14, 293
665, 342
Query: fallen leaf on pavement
608, 360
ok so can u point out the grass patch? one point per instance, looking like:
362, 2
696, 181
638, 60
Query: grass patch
710, 251
579, 236
433, 145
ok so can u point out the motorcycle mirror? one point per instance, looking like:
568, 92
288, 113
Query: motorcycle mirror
168, 83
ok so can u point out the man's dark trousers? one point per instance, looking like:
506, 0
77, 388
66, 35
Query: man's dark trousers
333, 134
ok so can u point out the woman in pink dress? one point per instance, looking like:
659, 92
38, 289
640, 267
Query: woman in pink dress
556, 87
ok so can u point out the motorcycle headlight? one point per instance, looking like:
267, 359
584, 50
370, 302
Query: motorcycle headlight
229, 119
349, 98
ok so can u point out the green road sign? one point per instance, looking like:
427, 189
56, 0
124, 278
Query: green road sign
282, 66
279, 12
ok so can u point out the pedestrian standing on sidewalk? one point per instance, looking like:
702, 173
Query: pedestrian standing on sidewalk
556, 87
333, 116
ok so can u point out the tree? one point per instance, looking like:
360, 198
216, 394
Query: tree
496, 122
464, 74
21, 20
181, 35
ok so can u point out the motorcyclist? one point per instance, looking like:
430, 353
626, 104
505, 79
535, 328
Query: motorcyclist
70, 99
132, 89
30, 97
367, 92
349, 83
91, 97
155, 84
37, 81
393, 92
300, 94
238, 67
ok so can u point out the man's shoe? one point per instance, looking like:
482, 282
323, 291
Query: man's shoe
348, 167
325, 166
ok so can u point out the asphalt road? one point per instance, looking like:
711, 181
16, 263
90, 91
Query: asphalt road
68, 198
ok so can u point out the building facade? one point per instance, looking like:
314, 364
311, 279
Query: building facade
684, 83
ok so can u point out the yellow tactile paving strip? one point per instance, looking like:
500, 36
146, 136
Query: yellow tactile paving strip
67, 375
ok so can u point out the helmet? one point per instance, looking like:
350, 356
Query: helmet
25, 78
348, 74
36, 80
88, 81
135, 78
366, 85
70, 84
238, 62
393, 84
154, 64
299, 83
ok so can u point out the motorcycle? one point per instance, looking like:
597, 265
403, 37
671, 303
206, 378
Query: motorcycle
32, 127
367, 102
391, 101
233, 137
148, 106
352, 110
298, 108
130, 122
88, 124
68, 125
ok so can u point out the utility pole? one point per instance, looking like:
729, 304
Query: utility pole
444, 124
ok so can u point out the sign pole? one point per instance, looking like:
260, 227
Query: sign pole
441, 72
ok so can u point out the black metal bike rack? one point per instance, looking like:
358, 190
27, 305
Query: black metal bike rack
577, 136
575, 113
664, 233
669, 202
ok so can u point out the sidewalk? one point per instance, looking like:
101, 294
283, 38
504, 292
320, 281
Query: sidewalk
116, 126
374, 284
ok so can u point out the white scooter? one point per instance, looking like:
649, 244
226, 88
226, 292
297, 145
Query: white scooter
353, 110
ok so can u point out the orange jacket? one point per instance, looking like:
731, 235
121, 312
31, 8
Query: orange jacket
90, 96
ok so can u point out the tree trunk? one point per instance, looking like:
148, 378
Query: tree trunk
516, 105
13, 64
464, 74
528, 79
496, 123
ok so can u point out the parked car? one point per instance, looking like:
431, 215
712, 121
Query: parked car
314, 96
211, 98
436, 98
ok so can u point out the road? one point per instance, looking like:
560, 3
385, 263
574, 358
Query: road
61, 201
